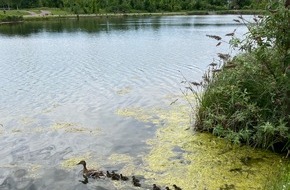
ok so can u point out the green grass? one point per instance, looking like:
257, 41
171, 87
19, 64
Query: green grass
23, 12
11, 16
10, 19
14, 13
54, 11
282, 182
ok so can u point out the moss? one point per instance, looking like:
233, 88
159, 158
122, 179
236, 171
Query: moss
192, 160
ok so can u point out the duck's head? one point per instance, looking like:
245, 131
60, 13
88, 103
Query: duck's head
82, 163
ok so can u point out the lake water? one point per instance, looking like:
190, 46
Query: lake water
63, 82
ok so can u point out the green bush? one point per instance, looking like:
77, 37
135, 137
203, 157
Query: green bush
247, 98
4, 18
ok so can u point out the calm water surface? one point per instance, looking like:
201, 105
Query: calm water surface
63, 81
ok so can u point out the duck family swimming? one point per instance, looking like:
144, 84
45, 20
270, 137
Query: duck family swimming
113, 176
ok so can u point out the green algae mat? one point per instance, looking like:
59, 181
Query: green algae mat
179, 155
193, 160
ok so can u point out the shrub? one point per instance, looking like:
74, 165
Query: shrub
4, 18
247, 98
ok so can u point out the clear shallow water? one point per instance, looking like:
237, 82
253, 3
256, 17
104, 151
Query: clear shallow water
63, 81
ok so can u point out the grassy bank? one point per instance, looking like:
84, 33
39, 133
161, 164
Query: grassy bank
36, 14
25, 12
10, 19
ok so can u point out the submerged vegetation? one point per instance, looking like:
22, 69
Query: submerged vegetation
246, 99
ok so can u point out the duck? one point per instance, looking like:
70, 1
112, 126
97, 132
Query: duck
155, 187
90, 173
124, 178
176, 188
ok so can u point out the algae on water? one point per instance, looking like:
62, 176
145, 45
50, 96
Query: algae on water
192, 160
74, 160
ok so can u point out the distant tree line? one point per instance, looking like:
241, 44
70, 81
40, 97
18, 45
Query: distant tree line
95, 6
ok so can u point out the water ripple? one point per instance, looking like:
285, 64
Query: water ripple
81, 73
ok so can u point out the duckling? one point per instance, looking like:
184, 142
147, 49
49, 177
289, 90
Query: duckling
155, 187
167, 188
109, 174
115, 176
101, 173
176, 188
124, 178
113, 173
136, 184
90, 173
134, 179
97, 174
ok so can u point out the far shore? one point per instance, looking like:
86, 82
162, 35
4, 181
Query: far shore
49, 16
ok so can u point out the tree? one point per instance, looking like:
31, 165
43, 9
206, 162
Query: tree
17, 3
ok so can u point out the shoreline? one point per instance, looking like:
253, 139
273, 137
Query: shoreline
11, 22
108, 15
220, 12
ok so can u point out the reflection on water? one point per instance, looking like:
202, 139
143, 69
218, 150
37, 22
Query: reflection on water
104, 24
63, 81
